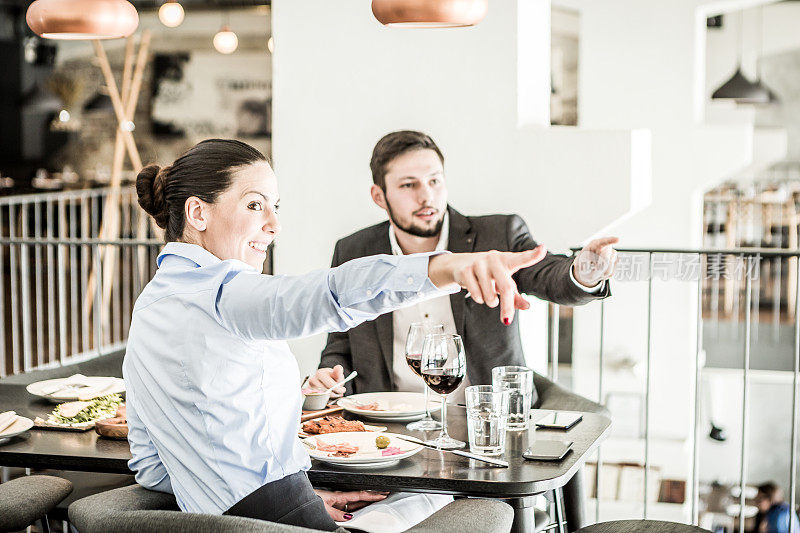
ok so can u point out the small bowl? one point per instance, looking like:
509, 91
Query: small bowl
314, 401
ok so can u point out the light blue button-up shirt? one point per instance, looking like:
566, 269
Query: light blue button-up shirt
213, 392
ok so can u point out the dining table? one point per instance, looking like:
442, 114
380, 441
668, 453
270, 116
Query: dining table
430, 470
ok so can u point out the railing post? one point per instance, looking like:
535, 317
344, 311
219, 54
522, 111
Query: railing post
697, 378
746, 370
2, 308
795, 375
554, 309
599, 400
51, 288
97, 314
647, 379
14, 287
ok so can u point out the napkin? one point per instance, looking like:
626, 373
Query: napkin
76, 380
398, 512
6, 419
101, 388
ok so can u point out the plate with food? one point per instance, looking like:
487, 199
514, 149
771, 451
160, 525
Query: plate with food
336, 424
81, 416
363, 449
388, 406
76, 388
11, 425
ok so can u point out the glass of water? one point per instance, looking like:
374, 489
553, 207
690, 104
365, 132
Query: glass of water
518, 381
487, 416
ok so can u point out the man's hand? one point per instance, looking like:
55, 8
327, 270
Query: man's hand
487, 276
340, 504
596, 262
328, 377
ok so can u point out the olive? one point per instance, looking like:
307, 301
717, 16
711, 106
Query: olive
381, 442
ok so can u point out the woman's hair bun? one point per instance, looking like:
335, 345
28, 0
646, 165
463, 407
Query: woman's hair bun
150, 189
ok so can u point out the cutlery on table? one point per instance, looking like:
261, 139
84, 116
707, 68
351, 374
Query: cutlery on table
345, 380
7, 419
490, 460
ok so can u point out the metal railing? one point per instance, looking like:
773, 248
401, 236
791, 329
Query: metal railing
712, 265
49, 275
49, 315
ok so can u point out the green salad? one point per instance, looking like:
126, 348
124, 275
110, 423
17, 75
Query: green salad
98, 408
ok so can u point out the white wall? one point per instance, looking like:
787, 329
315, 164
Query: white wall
341, 81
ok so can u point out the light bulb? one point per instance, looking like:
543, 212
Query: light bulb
271, 45
63, 115
226, 41
170, 14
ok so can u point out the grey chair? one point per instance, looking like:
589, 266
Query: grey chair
554, 396
135, 509
26, 499
641, 526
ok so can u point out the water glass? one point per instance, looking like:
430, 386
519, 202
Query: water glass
518, 381
487, 416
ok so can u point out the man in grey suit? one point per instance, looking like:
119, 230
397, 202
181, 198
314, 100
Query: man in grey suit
409, 184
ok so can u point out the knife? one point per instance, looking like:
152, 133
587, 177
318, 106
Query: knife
496, 462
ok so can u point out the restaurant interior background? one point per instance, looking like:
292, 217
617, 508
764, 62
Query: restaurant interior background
587, 118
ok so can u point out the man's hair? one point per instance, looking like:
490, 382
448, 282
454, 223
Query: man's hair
770, 490
394, 145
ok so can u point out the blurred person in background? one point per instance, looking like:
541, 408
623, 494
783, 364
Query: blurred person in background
774, 514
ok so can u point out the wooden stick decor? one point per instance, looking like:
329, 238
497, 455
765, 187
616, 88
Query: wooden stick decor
124, 108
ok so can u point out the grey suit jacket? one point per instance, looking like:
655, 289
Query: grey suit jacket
488, 343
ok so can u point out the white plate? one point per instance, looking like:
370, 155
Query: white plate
20, 425
396, 406
368, 455
69, 395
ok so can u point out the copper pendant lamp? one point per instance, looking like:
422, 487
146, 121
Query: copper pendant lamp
430, 13
82, 19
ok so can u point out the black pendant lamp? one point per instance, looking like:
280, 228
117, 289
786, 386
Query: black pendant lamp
739, 88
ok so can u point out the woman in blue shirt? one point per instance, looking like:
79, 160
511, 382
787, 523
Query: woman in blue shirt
212, 389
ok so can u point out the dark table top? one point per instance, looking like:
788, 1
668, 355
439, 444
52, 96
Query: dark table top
429, 470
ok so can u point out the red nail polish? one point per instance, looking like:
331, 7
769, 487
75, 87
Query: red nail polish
506, 321
348, 516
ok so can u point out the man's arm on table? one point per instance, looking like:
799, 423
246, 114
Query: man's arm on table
551, 278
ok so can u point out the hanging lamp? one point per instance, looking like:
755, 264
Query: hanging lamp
225, 41
82, 19
171, 14
430, 13
738, 87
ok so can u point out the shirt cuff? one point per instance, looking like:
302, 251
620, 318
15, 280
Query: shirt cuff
591, 290
415, 269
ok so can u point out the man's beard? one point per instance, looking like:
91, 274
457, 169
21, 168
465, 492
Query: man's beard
413, 229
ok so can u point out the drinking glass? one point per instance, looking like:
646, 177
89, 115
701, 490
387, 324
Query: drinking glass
487, 416
417, 332
443, 369
518, 380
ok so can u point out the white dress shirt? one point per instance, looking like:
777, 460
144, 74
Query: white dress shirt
213, 392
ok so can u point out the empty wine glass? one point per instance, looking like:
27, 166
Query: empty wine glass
414, 341
443, 369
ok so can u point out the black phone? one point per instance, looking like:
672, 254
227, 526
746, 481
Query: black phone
559, 420
547, 450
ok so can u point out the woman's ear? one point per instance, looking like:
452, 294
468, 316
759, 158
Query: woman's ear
196, 213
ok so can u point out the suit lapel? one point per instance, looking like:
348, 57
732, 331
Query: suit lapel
459, 240
383, 324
